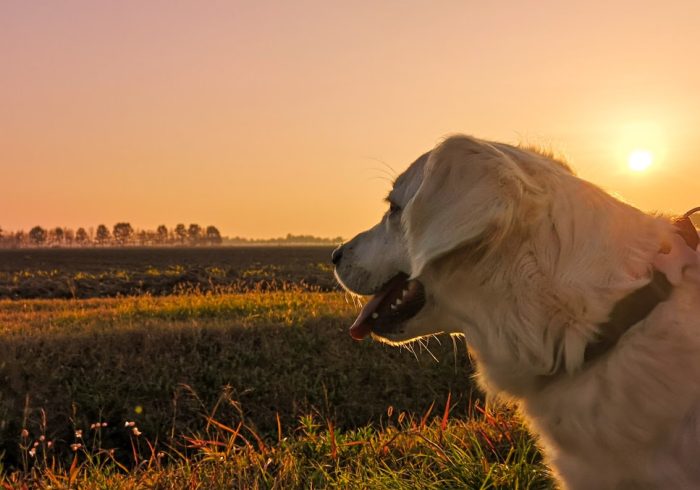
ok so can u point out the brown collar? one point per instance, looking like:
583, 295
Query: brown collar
686, 228
637, 305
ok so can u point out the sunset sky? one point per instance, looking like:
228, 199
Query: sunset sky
265, 118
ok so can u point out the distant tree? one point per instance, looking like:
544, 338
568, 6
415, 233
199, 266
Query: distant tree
37, 235
19, 239
68, 236
180, 232
81, 236
122, 233
213, 236
162, 234
56, 236
102, 235
194, 233
143, 237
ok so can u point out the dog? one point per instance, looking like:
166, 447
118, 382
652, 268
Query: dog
578, 307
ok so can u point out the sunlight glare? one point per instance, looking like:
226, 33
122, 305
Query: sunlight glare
640, 160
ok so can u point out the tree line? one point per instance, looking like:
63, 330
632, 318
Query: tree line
121, 234
289, 239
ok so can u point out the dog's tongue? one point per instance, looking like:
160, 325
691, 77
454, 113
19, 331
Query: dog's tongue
363, 324
362, 328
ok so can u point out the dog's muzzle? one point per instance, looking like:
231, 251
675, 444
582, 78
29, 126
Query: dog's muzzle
386, 312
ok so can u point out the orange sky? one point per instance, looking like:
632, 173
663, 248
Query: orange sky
272, 117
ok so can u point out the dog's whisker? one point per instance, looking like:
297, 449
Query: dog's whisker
379, 177
388, 168
430, 352
454, 350
383, 171
412, 351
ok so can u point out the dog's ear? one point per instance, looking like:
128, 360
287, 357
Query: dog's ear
469, 195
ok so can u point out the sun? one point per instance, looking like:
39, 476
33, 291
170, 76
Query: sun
640, 160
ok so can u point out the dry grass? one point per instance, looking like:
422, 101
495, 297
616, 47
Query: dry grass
433, 451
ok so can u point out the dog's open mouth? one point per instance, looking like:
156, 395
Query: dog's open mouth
398, 301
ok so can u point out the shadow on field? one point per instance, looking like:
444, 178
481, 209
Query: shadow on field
167, 376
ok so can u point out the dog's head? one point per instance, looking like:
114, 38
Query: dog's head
377, 262
504, 245
461, 194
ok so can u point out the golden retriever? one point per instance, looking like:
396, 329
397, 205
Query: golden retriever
549, 280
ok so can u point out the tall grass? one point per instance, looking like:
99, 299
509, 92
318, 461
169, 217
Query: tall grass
486, 451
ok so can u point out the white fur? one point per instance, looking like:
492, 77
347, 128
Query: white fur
527, 261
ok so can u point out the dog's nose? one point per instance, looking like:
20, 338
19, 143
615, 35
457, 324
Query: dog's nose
337, 255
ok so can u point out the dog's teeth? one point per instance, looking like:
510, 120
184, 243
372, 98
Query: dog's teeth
393, 307
375, 315
398, 301
405, 292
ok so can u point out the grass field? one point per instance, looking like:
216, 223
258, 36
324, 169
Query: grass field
258, 389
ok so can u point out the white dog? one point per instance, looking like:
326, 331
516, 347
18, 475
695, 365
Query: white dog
579, 307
